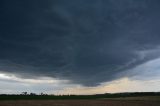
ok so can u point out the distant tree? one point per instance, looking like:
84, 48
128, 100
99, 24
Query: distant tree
42, 93
24, 93
32, 93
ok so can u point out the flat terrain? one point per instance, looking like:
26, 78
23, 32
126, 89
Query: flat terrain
128, 101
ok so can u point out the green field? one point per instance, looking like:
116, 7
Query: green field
119, 99
98, 96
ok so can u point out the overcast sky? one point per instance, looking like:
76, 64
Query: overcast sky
79, 46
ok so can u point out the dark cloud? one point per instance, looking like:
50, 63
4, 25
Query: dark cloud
85, 41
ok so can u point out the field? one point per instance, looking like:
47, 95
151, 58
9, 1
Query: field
118, 99
127, 101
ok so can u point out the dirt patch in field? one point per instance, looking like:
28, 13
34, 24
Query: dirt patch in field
79, 103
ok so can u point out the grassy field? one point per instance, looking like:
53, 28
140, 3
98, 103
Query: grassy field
118, 99
71, 97
125, 101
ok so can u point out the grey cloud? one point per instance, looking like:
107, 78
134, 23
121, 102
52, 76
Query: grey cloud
87, 42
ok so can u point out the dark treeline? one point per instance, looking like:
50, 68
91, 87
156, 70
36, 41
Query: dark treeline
30, 96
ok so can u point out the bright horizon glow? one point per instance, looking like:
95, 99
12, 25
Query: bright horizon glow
121, 85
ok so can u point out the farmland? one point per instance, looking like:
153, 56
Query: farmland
96, 102
119, 99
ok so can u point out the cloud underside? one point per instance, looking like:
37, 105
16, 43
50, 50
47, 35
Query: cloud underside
9, 83
86, 42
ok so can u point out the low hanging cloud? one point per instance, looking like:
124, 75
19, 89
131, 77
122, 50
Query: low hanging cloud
84, 41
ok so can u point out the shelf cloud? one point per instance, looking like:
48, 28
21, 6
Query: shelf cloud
84, 41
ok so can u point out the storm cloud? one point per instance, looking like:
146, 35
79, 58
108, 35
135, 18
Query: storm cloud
84, 41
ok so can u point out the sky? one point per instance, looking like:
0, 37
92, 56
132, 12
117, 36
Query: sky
79, 46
